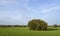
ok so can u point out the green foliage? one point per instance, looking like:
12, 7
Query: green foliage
37, 24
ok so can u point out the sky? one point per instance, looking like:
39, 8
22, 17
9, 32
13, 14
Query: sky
19, 12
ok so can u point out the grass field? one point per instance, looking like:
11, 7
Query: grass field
24, 31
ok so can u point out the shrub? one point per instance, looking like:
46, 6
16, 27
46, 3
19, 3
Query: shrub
37, 24
55, 25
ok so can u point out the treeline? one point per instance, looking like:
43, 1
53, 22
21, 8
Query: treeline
25, 25
13, 26
53, 25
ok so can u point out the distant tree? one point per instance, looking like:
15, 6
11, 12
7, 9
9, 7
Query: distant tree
55, 25
37, 24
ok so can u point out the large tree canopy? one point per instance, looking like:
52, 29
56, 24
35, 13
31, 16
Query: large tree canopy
37, 24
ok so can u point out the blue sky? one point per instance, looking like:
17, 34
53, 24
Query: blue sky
19, 12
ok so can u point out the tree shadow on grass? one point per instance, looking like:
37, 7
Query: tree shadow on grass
53, 29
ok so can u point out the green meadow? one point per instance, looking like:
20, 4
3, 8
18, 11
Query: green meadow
24, 31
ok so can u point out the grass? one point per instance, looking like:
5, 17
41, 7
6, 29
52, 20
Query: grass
24, 31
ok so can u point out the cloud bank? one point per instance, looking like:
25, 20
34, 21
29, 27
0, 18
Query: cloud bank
19, 12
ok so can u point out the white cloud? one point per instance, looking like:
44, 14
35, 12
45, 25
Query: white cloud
21, 12
50, 9
7, 2
13, 16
